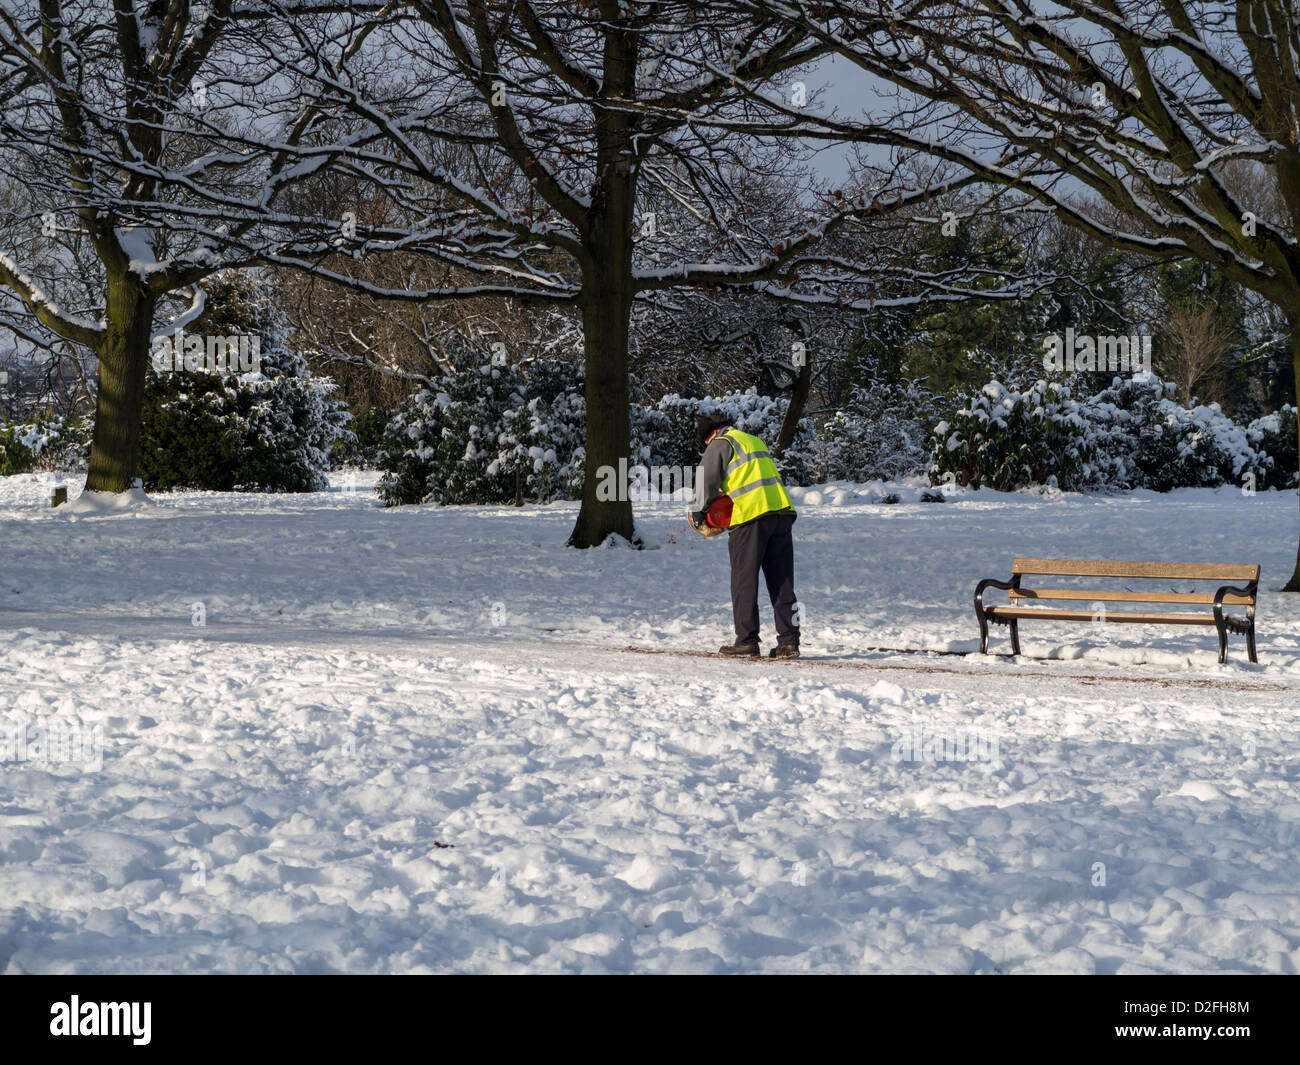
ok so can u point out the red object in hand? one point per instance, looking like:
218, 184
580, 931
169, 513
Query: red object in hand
719, 515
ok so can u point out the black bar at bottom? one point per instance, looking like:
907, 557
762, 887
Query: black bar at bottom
337, 1015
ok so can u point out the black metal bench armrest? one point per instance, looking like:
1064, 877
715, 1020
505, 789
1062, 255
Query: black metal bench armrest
1227, 624
991, 582
1220, 618
1251, 590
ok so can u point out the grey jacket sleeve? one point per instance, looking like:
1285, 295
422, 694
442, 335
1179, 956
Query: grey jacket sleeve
712, 472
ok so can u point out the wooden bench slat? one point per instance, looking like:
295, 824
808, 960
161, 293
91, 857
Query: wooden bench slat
1084, 595
1200, 571
1021, 613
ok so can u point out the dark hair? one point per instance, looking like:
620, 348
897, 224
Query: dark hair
707, 424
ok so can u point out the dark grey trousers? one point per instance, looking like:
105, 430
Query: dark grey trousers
764, 543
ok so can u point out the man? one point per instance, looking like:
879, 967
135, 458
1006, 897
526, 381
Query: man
739, 466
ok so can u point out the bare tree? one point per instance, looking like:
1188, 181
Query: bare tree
377, 350
573, 157
590, 156
1145, 105
1194, 355
151, 140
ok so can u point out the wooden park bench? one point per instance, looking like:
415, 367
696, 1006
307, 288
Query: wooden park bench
1226, 595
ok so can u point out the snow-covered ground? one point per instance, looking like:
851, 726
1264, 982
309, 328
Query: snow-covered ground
414, 739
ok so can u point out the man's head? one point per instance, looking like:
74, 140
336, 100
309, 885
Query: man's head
710, 424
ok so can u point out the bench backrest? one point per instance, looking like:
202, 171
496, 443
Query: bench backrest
1195, 571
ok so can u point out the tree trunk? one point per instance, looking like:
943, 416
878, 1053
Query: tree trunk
798, 401
1293, 585
606, 314
123, 357
607, 294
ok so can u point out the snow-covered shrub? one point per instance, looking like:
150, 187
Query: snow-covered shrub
1274, 437
1132, 434
269, 430
46, 441
484, 433
539, 445
411, 440
15, 456
1008, 440
1144, 438
749, 412
438, 446
880, 434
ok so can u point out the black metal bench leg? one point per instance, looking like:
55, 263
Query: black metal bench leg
984, 632
1223, 640
1250, 644
1015, 637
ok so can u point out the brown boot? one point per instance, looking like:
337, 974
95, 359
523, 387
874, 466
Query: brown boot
740, 650
784, 650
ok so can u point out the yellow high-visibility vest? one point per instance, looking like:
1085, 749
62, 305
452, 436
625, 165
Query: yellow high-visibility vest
752, 480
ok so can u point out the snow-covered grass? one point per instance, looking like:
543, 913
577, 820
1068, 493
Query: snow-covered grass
412, 739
